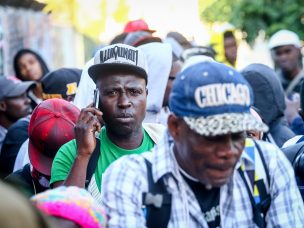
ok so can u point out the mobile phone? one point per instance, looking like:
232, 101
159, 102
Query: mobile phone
96, 98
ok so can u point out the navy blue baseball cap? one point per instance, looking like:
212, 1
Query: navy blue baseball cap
213, 99
60, 83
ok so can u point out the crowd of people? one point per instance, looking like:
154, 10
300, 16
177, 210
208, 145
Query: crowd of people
155, 132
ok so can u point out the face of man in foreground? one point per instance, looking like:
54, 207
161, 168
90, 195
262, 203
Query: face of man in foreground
123, 99
210, 159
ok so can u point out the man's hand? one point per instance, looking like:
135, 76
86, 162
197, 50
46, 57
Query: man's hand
292, 108
88, 123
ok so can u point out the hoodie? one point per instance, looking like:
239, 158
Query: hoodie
159, 59
85, 91
269, 99
217, 43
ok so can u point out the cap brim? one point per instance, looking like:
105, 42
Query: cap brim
40, 162
98, 70
222, 124
20, 88
149, 30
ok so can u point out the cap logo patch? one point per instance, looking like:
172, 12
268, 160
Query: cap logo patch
117, 52
71, 88
222, 94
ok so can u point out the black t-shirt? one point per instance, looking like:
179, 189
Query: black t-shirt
209, 201
23, 181
16, 135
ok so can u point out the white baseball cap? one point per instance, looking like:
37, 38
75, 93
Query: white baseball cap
119, 57
284, 37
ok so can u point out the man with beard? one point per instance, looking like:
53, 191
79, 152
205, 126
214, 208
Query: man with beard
202, 177
120, 74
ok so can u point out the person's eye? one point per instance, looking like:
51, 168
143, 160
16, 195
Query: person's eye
135, 92
250, 134
111, 93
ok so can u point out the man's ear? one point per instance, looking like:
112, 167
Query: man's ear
2, 106
174, 125
147, 91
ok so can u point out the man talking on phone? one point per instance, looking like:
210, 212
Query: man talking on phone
120, 74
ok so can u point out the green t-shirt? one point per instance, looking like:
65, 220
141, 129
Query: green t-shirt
109, 152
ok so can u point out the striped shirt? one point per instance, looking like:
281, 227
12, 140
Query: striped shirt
126, 179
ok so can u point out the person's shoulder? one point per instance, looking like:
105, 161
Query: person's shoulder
133, 160
267, 148
154, 126
274, 156
130, 166
266, 145
70, 145
69, 149
17, 128
23, 174
25, 121
155, 131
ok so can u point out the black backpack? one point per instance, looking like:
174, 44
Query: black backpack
92, 163
295, 154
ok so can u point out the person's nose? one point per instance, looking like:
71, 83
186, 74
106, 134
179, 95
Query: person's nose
124, 101
27, 67
283, 57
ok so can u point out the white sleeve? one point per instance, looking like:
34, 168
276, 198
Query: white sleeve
85, 91
22, 157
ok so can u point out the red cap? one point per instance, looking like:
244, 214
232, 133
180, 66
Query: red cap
51, 125
137, 25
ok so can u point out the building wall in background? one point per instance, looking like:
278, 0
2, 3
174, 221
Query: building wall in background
22, 28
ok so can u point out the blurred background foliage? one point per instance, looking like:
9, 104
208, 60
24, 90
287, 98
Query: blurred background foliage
253, 16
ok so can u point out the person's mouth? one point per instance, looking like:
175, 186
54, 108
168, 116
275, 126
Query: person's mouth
124, 117
220, 175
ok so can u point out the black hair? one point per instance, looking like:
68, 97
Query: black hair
118, 38
228, 34
22, 52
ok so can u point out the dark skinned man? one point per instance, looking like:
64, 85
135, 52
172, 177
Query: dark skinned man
285, 46
201, 176
120, 74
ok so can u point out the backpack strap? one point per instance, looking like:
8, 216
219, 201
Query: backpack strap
156, 202
263, 160
92, 163
259, 209
264, 195
257, 217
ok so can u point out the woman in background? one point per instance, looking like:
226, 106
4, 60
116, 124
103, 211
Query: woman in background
29, 66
